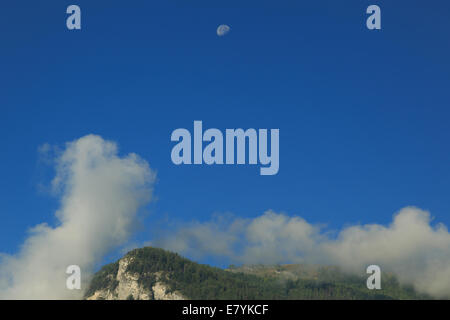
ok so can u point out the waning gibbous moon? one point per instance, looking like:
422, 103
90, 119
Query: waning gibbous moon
222, 30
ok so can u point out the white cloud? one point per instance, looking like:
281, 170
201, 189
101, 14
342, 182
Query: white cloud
101, 194
416, 251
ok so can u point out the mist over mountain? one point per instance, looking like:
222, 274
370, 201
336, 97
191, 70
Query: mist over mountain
155, 274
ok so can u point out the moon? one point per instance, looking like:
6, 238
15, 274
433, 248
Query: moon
222, 30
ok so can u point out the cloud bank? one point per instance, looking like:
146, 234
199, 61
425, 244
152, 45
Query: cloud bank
101, 194
410, 247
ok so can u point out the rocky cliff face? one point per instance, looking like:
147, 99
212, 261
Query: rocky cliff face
128, 286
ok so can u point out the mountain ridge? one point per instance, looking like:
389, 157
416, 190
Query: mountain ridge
151, 273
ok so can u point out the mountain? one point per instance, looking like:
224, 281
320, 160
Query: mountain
152, 273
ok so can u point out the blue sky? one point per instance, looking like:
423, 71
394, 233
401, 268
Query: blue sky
363, 115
